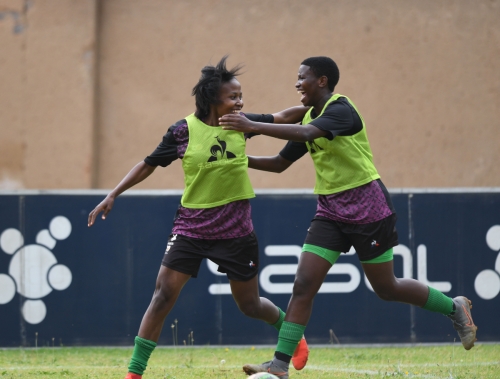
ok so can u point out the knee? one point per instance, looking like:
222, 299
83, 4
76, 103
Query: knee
385, 292
249, 308
161, 298
386, 296
302, 288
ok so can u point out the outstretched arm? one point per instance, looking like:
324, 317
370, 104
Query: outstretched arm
272, 164
291, 132
140, 172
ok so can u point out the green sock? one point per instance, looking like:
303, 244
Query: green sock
277, 324
142, 351
289, 337
439, 302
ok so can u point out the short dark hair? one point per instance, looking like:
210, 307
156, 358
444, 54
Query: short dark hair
324, 66
206, 91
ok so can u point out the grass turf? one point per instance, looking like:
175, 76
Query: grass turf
441, 361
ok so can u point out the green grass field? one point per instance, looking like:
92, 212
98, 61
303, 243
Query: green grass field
441, 361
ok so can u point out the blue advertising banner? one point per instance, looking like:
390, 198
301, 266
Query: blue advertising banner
62, 283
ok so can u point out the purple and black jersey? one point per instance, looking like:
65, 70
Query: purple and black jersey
361, 205
232, 220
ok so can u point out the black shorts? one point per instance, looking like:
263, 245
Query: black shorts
369, 240
238, 258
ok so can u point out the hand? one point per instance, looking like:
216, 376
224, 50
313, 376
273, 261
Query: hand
104, 206
234, 121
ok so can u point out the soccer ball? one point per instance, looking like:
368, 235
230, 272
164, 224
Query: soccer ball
262, 375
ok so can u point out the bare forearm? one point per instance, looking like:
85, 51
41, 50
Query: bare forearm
138, 173
289, 132
271, 164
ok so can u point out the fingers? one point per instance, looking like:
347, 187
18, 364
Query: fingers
227, 123
232, 122
104, 208
229, 119
230, 116
105, 213
92, 216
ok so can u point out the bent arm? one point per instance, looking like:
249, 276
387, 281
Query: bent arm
272, 164
291, 132
138, 173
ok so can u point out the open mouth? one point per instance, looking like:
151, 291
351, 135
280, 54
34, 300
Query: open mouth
302, 95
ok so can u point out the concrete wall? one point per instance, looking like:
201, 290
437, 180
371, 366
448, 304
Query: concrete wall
89, 87
46, 93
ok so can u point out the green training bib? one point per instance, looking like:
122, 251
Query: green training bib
343, 163
215, 166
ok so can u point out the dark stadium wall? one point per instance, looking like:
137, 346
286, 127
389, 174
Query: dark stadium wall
90, 87
63, 281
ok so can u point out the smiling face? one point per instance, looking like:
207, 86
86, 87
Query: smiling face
309, 86
230, 99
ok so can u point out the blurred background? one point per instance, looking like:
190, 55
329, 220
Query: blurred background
89, 87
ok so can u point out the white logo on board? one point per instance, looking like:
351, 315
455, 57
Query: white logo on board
354, 274
348, 269
487, 283
33, 269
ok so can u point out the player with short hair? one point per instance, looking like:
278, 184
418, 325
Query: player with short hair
354, 209
213, 220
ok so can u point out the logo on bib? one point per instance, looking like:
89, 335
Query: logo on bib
219, 151
313, 146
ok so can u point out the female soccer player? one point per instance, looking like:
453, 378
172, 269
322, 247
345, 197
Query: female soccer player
214, 218
354, 209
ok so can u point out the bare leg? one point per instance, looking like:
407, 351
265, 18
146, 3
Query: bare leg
246, 296
310, 275
390, 288
169, 284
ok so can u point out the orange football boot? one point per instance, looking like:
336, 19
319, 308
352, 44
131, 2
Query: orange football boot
301, 354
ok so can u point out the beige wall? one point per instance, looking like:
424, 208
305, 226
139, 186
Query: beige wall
424, 74
46, 93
